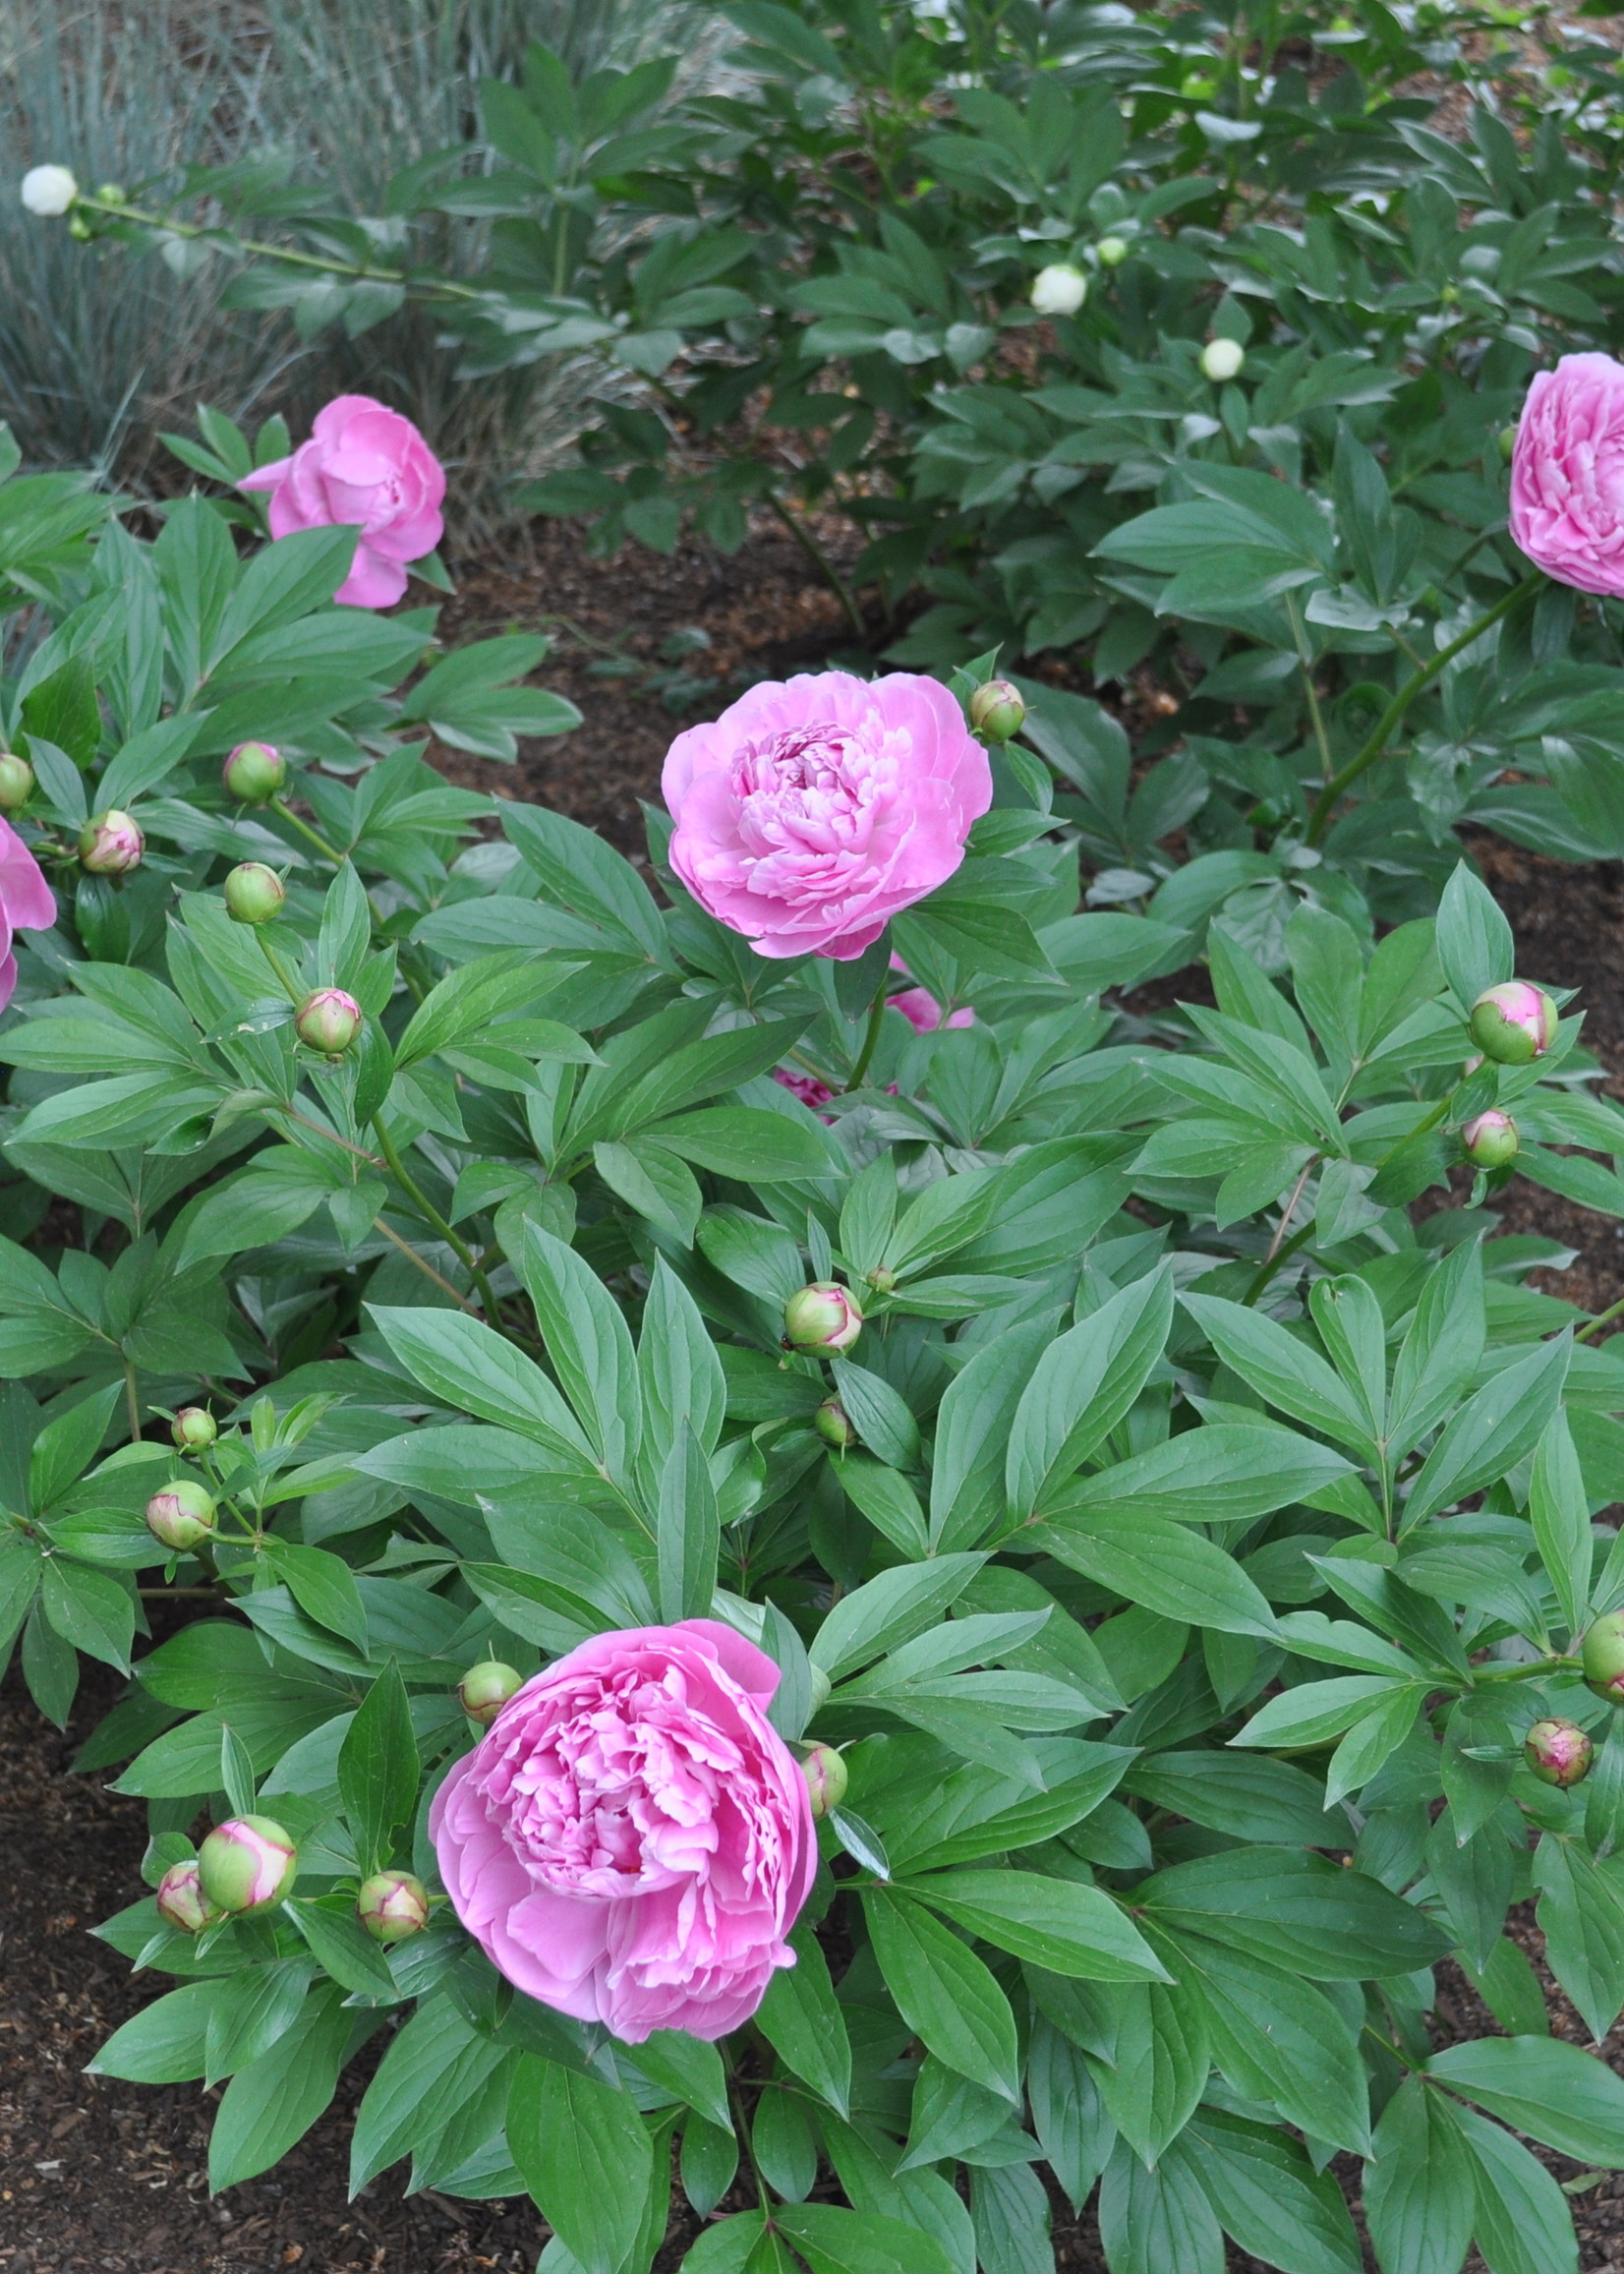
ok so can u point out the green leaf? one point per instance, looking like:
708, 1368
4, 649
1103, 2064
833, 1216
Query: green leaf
833, 2241
434, 2062
967, 1492
378, 1770
743, 1141
469, 1364
1268, 2198
322, 1583
944, 1993
1545, 2087
1081, 1388
1261, 1800
1581, 1917
1159, 2059
690, 2069
165, 2042
589, 1344
255, 2008
1157, 2222
1284, 1369
1279, 2040
1419, 2194
802, 2020
272, 2103
1559, 1512
1491, 1430
1523, 2223
889, 1611
89, 1609
586, 2158
1058, 1924
689, 1532
1167, 1568
1226, 1472
1473, 939
342, 1943
1297, 1910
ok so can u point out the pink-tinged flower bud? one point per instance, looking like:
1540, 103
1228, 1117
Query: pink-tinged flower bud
328, 1021
486, 1688
181, 1515
822, 1318
1490, 1139
194, 1428
254, 894
833, 1425
997, 711
255, 773
1558, 1753
1513, 1022
247, 1863
1602, 1655
16, 782
392, 1905
110, 844
181, 1900
824, 1771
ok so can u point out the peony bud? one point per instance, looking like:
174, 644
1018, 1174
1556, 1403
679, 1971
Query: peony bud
328, 1021
110, 844
181, 1900
113, 193
1602, 1655
822, 1318
825, 1779
48, 191
1221, 359
1513, 1022
392, 1905
254, 894
833, 1425
1558, 1753
181, 1515
821, 1687
486, 1688
1058, 290
1508, 443
247, 1863
16, 782
255, 773
1490, 1139
194, 1430
1112, 251
997, 711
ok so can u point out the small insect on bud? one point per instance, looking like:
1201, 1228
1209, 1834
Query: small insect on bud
997, 711
181, 1900
194, 1430
110, 844
822, 1318
1490, 1139
1513, 1022
833, 1425
181, 1515
1558, 1753
1112, 251
486, 1688
48, 191
1060, 289
1601, 1655
16, 782
247, 1863
255, 773
254, 894
328, 1021
826, 1778
1221, 359
392, 1905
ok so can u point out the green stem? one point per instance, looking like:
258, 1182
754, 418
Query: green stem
313, 836
1523, 1673
1602, 1318
871, 1038
1393, 717
1305, 663
131, 1399
821, 562
294, 994
430, 1214
423, 1265
1273, 1263
260, 249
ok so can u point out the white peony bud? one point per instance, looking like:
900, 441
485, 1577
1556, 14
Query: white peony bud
49, 190
1221, 359
1058, 290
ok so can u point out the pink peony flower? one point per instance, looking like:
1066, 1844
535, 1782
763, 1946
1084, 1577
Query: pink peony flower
27, 903
363, 464
631, 1841
1567, 473
920, 1008
806, 1087
815, 809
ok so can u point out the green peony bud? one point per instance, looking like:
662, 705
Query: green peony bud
254, 894
247, 1863
181, 1900
255, 773
194, 1430
1513, 1022
1221, 359
1558, 1753
1508, 443
1490, 1139
821, 1687
392, 1905
997, 711
16, 782
328, 1021
824, 1771
486, 1688
110, 844
181, 1515
833, 1425
1602, 1655
1112, 251
822, 1318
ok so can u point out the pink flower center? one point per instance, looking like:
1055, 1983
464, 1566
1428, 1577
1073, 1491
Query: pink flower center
808, 789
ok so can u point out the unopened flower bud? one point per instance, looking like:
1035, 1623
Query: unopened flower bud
1558, 1753
113, 193
1508, 442
194, 1430
826, 1778
486, 1688
254, 894
1221, 359
997, 711
822, 1318
833, 1425
882, 1279
80, 227
1112, 251
328, 1021
181, 1515
392, 1905
1060, 289
181, 1900
255, 773
1601, 1655
1490, 1139
247, 1863
16, 782
110, 844
48, 191
1513, 1022
821, 1687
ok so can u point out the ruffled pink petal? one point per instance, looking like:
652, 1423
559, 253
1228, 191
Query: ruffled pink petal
373, 582
28, 901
